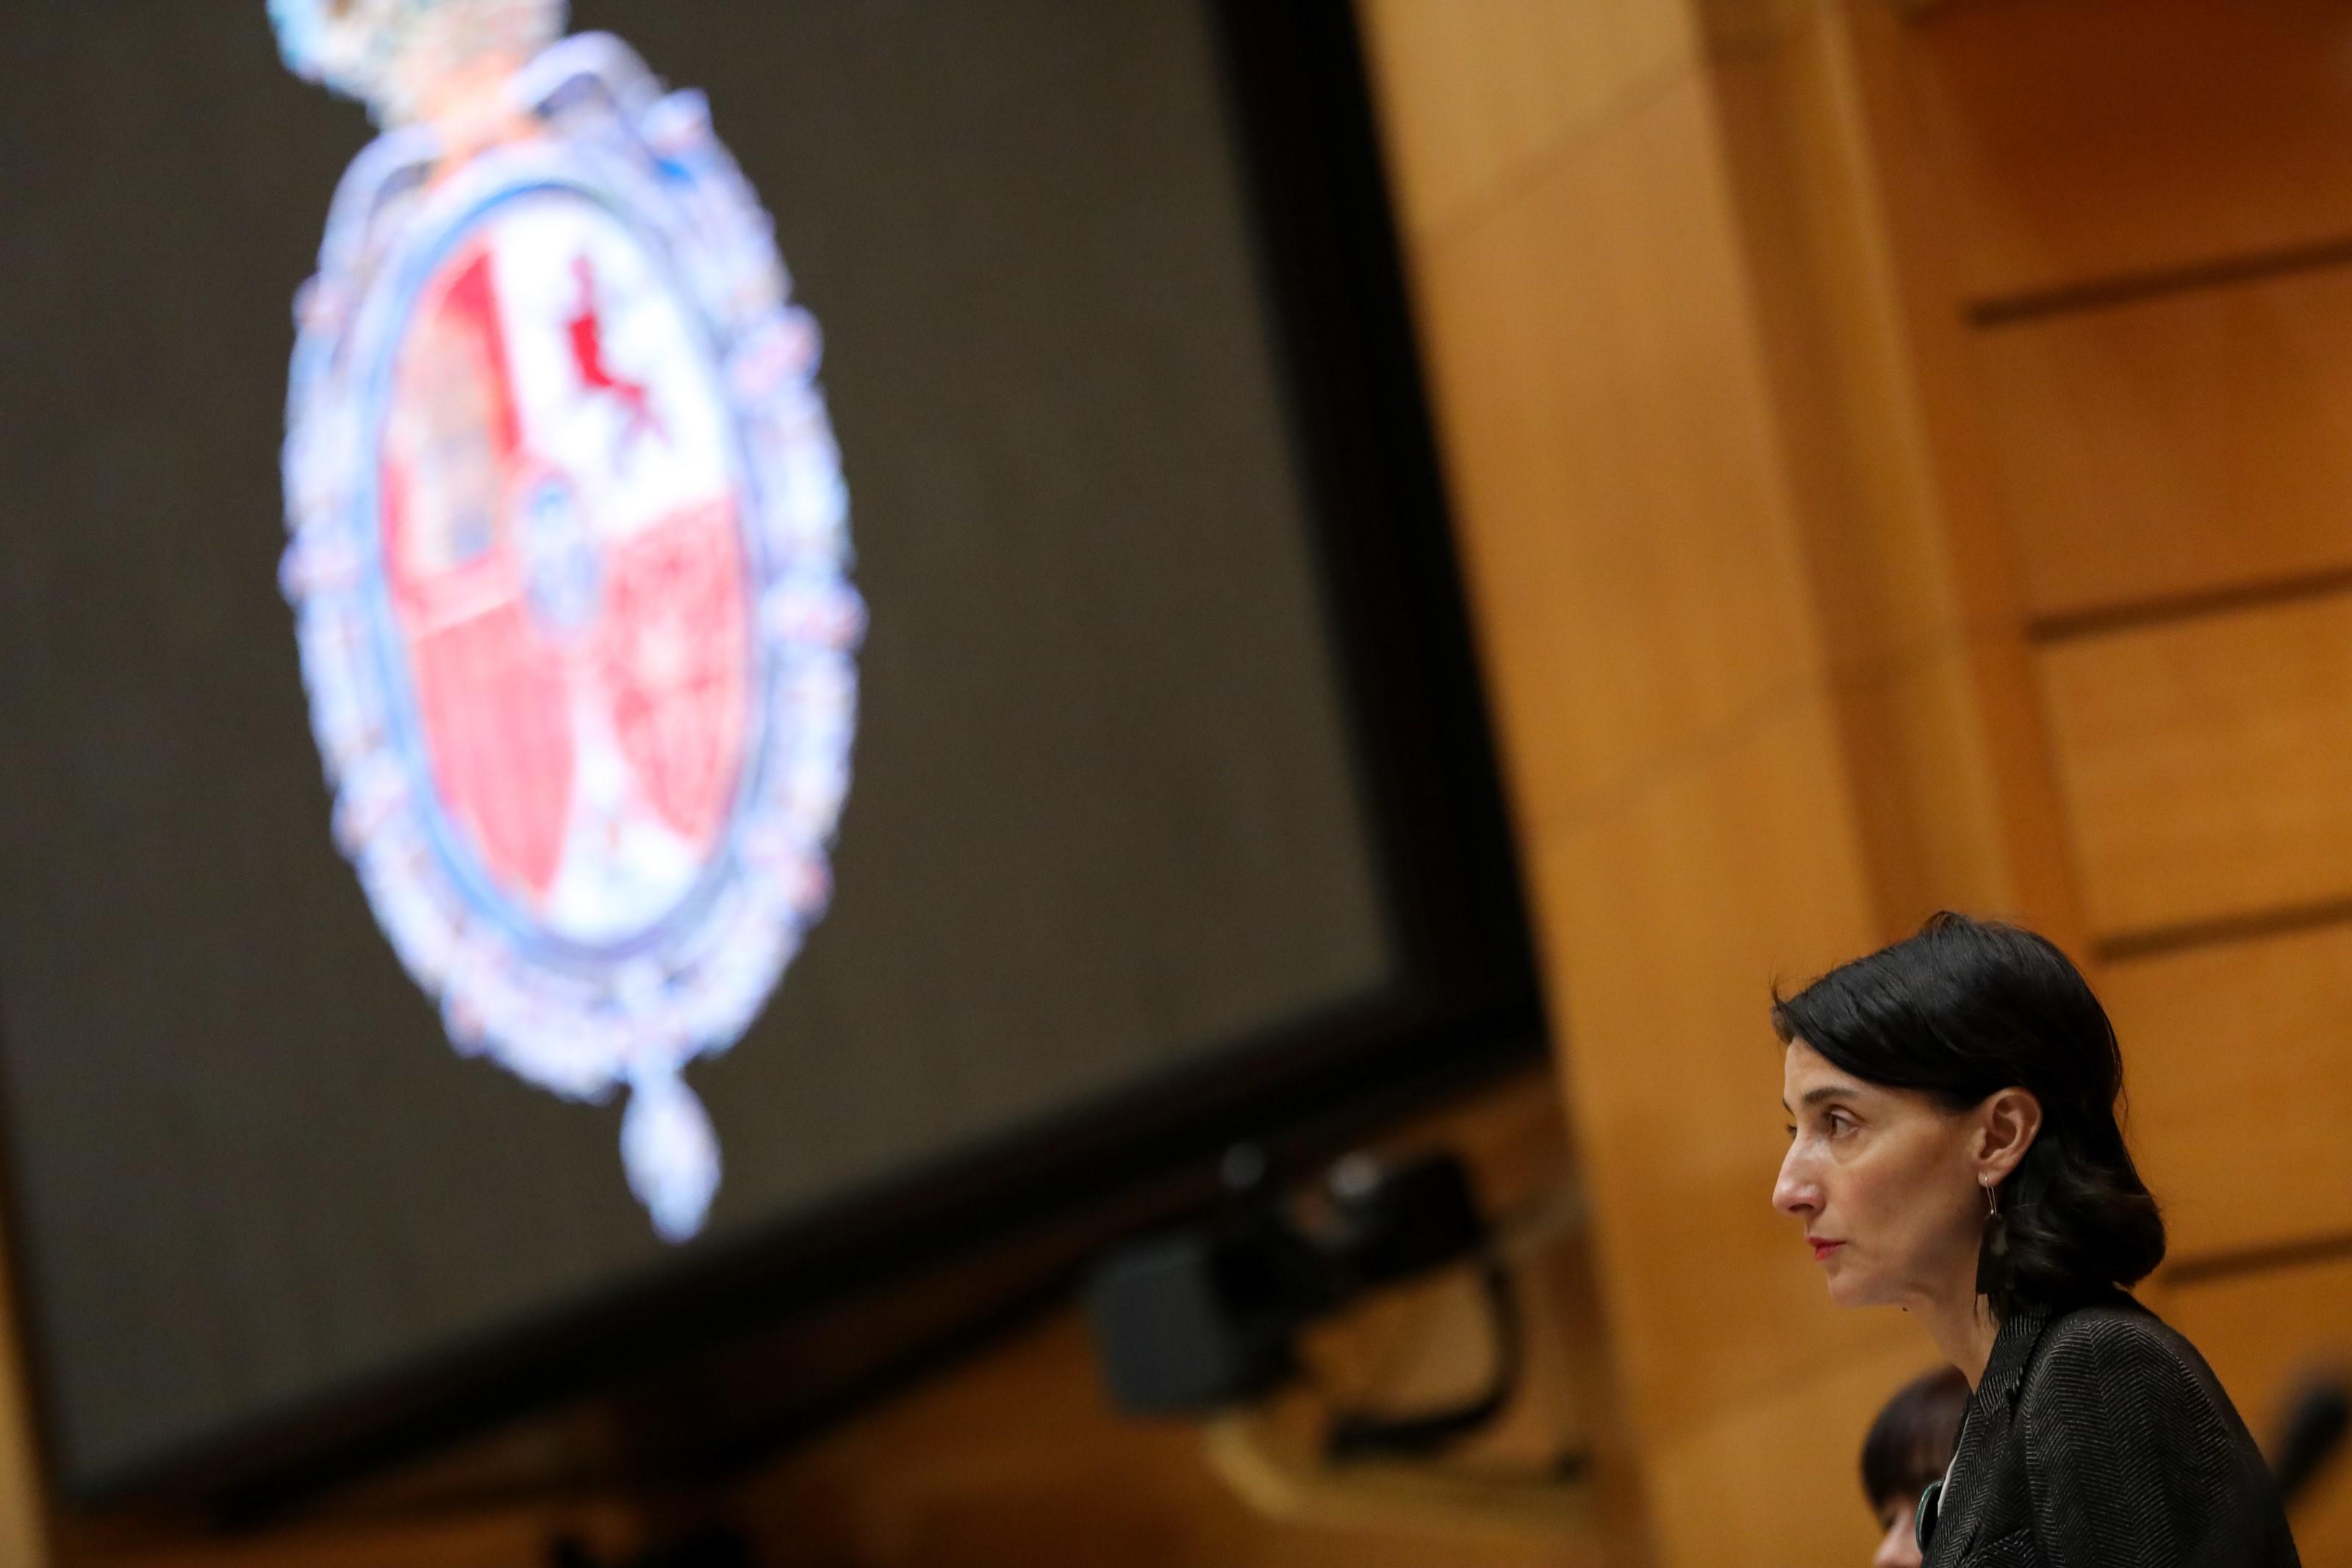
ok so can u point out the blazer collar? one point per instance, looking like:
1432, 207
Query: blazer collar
2012, 1347
1990, 1412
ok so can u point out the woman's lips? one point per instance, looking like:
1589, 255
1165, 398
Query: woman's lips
1822, 1250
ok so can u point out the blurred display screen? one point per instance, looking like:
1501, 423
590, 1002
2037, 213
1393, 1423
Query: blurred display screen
1079, 809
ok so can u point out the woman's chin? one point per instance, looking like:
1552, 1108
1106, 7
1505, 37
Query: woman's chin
1849, 1287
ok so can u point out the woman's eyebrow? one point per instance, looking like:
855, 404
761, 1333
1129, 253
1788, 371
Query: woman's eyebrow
1826, 1092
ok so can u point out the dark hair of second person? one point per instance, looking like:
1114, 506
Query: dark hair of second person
1908, 1446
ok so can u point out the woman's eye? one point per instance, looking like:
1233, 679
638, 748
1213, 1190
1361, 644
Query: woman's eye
1840, 1122
1791, 1131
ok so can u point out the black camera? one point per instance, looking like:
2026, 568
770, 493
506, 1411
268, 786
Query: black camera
1207, 1316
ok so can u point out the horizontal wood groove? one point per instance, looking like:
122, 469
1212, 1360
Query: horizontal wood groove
2259, 1260
2069, 625
2123, 946
2132, 289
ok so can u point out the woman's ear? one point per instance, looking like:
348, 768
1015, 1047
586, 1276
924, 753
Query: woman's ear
2007, 1125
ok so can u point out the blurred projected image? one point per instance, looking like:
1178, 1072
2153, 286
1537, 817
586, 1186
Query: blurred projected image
568, 557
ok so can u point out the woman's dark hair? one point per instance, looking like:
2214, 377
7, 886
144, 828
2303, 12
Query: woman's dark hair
1911, 1442
1963, 1010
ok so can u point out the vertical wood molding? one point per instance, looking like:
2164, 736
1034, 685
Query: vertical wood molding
1760, 678
1914, 586
23, 1514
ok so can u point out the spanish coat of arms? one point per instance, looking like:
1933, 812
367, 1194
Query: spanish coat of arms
568, 557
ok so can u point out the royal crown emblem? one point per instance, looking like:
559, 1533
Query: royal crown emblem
567, 559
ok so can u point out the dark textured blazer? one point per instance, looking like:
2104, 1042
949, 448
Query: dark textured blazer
2099, 1438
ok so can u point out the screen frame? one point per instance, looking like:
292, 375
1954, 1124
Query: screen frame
1468, 1004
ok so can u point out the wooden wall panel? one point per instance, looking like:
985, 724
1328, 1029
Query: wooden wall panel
2265, 1332
24, 1524
2238, 1062
2088, 140
2207, 764
1776, 1480
2175, 446
1476, 103
1676, 732
1602, 405
1669, 917
1673, 749
2148, 205
1721, 605
1911, 590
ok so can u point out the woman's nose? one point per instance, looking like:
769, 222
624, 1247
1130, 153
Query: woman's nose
1897, 1548
1792, 1194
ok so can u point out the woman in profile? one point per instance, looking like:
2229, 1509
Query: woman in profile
1909, 1449
1954, 1151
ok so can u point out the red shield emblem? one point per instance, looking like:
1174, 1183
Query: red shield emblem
565, 561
